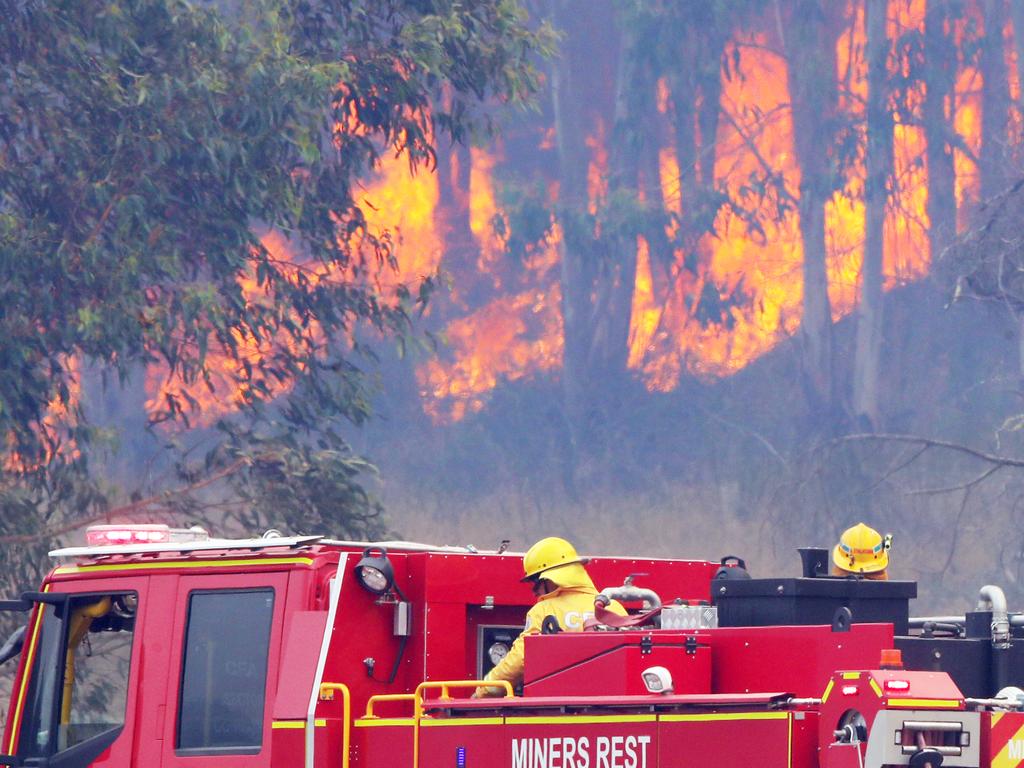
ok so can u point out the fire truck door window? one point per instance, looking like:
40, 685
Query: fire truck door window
39, 723
224, 673
79, 683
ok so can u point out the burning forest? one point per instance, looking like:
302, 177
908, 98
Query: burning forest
703, 218
756, 257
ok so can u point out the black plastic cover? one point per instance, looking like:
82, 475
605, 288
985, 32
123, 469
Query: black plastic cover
782, 602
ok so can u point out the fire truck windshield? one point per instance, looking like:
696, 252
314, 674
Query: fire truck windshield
79, 678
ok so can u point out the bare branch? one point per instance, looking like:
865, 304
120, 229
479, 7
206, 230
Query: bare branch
966, 486
128, 510
991, 458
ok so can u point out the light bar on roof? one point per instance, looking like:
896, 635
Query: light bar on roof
141, 533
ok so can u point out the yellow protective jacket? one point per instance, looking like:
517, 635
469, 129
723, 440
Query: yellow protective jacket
571, 605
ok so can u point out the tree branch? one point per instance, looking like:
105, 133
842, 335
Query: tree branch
127, 510
991, 458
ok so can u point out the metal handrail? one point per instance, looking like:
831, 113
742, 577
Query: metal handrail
386, 697
446, 686
327, 691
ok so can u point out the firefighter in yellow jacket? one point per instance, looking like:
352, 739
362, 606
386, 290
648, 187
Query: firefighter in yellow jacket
563, 589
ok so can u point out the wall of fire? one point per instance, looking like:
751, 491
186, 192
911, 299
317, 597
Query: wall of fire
512, 328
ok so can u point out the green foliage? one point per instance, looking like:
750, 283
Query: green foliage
147, 146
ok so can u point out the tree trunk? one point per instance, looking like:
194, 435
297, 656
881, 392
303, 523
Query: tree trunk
810, 48
1017, 18
572, 196
578, 91
451, 216
684, 101
696, 90
995, 103
633, 98
940, 75
867, 355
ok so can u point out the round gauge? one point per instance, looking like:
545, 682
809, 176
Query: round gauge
497, 652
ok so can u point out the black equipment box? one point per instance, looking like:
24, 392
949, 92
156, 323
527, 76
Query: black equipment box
767, 602
967, 660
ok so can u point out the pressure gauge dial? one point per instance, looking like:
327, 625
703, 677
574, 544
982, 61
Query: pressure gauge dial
497, 652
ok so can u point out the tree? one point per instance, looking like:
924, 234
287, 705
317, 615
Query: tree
940, 75
995, 118
575, 92
702, 30
867, 361
149, 150
810, 38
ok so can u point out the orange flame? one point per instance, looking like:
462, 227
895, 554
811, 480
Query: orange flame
396, 201
756, 138
751, 266
514, 336
54, 428
402, 203
225, 389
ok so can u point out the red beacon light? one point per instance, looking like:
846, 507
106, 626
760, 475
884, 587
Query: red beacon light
141, 533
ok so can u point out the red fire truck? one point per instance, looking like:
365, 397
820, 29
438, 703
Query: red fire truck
143, 649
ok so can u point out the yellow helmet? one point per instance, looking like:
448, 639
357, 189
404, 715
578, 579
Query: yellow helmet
555, 559
862, 549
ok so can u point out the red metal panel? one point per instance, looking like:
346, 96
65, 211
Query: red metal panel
580, 742
305, 631
920, 685
725, 740
382, 746
799, 660
445, 651
612, 663
548, 654
471, 578
804, 752
161, 631
537, 704
287, 746
481, 745
363, 629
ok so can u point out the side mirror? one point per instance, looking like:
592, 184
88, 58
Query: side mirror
12, 647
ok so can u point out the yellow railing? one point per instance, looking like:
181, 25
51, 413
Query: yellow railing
327, 691
386, 697
445, 687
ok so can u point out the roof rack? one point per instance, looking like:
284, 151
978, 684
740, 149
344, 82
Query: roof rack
253, 545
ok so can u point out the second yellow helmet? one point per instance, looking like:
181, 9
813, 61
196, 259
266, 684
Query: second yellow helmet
862, 549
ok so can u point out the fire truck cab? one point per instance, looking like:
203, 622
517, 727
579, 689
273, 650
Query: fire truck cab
142, 650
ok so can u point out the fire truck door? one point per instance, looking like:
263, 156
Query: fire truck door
223, 671
76, 703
